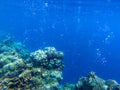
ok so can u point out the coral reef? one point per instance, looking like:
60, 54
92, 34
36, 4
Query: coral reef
41, 70
93, 82
22, 70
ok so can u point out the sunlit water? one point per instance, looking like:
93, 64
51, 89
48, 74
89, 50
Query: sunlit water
88, 32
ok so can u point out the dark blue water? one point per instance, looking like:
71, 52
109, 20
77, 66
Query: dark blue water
87, 31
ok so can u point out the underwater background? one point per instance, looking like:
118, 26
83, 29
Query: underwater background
87, 31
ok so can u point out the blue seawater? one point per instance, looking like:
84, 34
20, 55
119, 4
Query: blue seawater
87, 31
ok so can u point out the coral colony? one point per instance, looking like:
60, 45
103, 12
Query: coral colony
41, 70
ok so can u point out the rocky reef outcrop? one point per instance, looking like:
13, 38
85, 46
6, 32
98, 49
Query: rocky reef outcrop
41, 70
22, 70
93, 82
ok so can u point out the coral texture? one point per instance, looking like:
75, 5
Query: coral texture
41, 70
22, 70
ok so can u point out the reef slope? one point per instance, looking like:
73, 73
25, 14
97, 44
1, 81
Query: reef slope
41, 70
